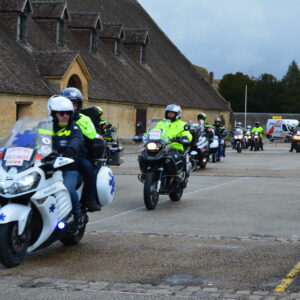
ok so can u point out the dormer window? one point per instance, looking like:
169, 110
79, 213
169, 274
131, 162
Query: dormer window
86, 26
136, 41
112, 36
51, 16
22, 23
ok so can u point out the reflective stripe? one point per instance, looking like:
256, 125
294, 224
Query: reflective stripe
45, 131
62, 133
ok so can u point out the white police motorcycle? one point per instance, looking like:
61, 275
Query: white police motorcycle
35, 206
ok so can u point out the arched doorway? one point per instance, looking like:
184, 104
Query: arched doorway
75, 82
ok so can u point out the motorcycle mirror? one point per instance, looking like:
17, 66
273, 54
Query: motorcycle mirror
138, 138
187, 127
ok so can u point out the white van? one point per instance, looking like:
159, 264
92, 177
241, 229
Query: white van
280, 128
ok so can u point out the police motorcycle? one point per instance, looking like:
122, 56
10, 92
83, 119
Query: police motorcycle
295, 140
35, 206
217, 152
247, 139
255, 141
199, 151
238, 140
164, 172
113, 147
213, 144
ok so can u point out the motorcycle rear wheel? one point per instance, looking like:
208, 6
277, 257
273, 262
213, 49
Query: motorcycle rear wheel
13, 247
176, 195
74, 238
151, 196
214, 157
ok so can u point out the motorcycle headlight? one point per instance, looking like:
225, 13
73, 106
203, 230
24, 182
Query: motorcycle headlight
153, 146
296, 137
25, 183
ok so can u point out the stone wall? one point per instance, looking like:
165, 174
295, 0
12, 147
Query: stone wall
121, 115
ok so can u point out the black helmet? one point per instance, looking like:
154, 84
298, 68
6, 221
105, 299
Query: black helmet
74, 95
257, 124
201, 116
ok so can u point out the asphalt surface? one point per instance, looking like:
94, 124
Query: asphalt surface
236, 228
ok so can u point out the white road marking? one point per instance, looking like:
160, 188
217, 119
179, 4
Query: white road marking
160, 202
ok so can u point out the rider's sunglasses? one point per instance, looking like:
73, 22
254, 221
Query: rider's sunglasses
62, 113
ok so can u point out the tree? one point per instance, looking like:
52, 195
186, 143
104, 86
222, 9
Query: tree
232, 88
267, 94
290, 98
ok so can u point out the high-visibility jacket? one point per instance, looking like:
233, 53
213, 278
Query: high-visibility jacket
172, 130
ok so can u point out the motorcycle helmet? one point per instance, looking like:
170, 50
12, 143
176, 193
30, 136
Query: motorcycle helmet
249, 127
74, 95
239, 124
60, 104
99, 110
218, 120
175, 109
257, 124
201, 116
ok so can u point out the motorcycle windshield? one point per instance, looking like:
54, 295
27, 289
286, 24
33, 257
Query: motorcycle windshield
238, 132
157, 130
30, 140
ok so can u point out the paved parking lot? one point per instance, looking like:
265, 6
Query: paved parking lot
235, 233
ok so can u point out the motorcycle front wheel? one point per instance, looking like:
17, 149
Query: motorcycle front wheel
151, 196
203, 163
176, 195
13, 247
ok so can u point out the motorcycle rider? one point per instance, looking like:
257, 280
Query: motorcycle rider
175, 130
248, 133
87, 127
260, 130
220, 131
294, 131
67, 140
238, 125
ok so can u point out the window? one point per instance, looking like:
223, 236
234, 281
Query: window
143, 54
117, 47
22, 28
75, 82
22, 110
61, 33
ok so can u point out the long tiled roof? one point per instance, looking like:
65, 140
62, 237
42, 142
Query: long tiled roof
166, 77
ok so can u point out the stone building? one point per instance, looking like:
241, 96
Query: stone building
110, 49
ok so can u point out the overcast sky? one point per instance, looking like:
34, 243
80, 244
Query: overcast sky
227, 36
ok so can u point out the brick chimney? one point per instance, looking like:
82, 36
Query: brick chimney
211, 78
13, 15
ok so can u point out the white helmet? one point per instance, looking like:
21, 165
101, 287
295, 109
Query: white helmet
59, 103
174, 108
249, 127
